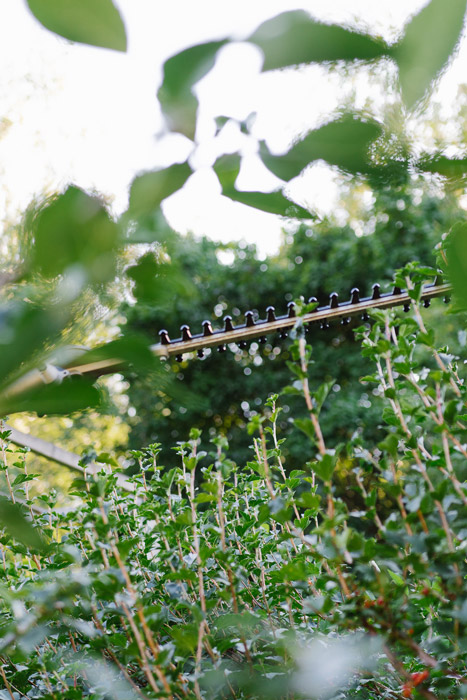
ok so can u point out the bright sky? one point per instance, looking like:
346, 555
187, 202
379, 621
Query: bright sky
72, 113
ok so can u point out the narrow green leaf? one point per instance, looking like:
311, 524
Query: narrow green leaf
17, 526
181, 72
452, 168
75, 394
95, 22
344, 142
426, 46
150, 189
273, 202
295, 37
131, 349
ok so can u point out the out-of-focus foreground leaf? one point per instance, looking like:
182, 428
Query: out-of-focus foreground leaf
456, 251
75, 394
227, 169
150, 189
181, 72
17, 526
344, 142
24, 330
156, 283
132, 349
452, 168
426, 46
75, 231
295, 37
95, 22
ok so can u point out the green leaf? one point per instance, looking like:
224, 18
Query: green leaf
16, 525
324, 467
295, 37
426, 46
132, 349
74, 394
344, 142
155, 282
456, 252
306, 426
106, 458
452, 168
309, 500
23, 333
75, 230
150, 189
273, 202
95, 22
181, 72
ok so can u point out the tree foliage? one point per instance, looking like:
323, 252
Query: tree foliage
215, 579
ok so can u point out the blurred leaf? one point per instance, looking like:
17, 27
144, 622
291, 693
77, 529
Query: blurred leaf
447, 167
23, 332
132, 349
106, 680
343, 142
95, 22
181, 72
155, 282
148, 190
75, 230
16, 525
227, 169
75, 394
426, 46
456, 251
295, 37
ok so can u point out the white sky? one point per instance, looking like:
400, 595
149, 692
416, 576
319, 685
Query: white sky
73, 113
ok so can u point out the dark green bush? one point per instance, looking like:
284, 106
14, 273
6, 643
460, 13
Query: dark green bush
218, 580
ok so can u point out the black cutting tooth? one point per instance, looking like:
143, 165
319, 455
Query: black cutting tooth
249, 319
406, 308
334, 300
221, 348
200, 353
164, 336
376, 292
186, 333
262, 340
447, 299
365, 316
355, 295
179, 358
283, 333
426, 303
345, 321
324, 325
242, 344
397, 290
228, 325
207, 328
291, 313
271, 315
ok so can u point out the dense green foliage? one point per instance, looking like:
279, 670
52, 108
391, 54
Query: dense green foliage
220, 394
215, 579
